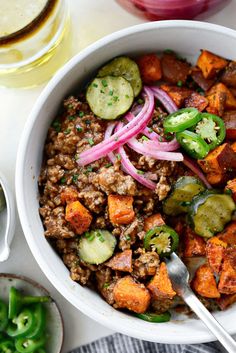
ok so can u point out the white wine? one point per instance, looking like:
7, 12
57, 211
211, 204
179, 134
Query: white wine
34, 40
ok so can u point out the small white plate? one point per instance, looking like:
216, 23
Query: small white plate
7, 220
54, 329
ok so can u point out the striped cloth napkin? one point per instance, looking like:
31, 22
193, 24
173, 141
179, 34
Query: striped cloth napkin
118, 343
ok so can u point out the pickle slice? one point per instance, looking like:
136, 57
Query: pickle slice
185, 189
210, 212
125, 67
97, 246
109, 97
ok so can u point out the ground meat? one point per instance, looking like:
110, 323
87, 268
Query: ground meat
106, 283
57, 226
111, 181
78, 272
162, 188
127, 234
146, 265
93, 200
162, 305
62, 160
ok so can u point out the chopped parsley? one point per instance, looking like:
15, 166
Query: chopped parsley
150, 129
144, 138
140, 172
89, 169
79, 129
127, 96
118, 156
106, 285
75, 178
127, 237
81, 114
90, 141
111, 92
180, 83
95, 85
108, 165
104, 83
101, 91
140, 101
169, 51
56, 125
67, 131
70, 106
115, 98
63, 180
87, 122
71, 118
109, 103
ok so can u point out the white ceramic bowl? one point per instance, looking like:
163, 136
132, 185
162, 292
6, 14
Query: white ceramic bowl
187, 38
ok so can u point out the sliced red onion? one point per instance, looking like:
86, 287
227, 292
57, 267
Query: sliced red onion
108, 133
131, 170
150, 151
121, 136
192, 165
161, 146
165, 99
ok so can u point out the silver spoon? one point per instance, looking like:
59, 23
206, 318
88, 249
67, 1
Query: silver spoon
179, 276
7, 220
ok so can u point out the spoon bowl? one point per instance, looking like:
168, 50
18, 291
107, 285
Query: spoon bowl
7, 220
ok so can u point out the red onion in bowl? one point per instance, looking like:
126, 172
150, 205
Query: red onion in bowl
172, 9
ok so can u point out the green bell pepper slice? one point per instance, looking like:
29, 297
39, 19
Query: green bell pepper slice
162, 239
211, 129
157, 318
3, 316
7, 346
181, 120
39, 313
22, 325
17, 301
28, 345
193, 144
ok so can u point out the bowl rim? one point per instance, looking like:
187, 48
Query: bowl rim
205, 336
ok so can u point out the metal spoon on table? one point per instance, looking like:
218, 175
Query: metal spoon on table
179, 276
7, 218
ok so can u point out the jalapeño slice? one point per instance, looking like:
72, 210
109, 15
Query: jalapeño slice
193, 144
211, 129
181, 120
163, 239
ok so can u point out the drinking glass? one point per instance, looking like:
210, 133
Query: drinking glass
34, 40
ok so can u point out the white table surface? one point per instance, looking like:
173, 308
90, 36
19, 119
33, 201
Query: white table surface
91, 19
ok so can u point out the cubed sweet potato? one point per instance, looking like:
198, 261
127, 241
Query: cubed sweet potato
160, 285
131, 295
150, 68
231, 186
178, 94
193, 244
78, 216
228, 235
204, 282
230, 124
227, 282
216, 179
226, 300
69, 194
120, 209
220, 160
196, 100
174, 70
210, 64
233, 146
121, 261
216, 100
230, 102
229, 75
202, 82
215, 253
153, 221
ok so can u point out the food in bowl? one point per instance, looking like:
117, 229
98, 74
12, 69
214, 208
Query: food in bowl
140, 164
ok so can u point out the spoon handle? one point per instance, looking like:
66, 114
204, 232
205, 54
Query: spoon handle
223, 337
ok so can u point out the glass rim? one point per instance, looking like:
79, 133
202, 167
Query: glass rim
32, 26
